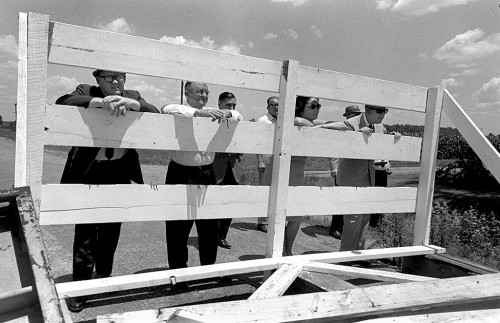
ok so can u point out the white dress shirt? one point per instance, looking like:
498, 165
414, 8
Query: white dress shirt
192, 158
265, 159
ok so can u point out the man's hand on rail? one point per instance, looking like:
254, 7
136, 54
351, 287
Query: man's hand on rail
396, 134
215, 114
118, 105
366, 130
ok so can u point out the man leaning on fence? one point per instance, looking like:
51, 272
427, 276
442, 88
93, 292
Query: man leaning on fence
358, 173
193, 168
95, 243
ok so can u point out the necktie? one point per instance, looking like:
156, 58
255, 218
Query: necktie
109, 153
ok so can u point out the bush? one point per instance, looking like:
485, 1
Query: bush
468, 234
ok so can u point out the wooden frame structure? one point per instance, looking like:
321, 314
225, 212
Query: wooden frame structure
42, 41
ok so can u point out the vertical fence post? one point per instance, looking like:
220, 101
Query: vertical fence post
31, 100
428, 157
278, 193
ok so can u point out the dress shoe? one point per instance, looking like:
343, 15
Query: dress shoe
262, 227
225, 280
335, 234
76, 304
224, 244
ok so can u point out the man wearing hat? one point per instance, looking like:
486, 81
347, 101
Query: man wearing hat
358, 173
337, 221
95, 243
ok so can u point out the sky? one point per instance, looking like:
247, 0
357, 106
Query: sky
455, 43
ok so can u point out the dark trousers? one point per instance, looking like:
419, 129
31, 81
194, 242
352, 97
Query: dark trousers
95, 243
224, 224
380, 180
178, 231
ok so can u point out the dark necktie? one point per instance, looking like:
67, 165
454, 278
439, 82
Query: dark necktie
109, 153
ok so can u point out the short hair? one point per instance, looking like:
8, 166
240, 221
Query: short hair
226, 95
271, 98
98, 72
187, 85
300, 104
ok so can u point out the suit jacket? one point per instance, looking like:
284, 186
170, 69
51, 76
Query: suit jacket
221, 164
357, 172
81, 158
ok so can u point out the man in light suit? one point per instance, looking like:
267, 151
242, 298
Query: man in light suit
358, 173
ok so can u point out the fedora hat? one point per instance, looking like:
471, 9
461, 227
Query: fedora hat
352, 109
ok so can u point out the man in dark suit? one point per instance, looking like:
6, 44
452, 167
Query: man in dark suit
95, 244
226, 167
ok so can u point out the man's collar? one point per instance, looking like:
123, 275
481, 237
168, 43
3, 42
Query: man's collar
271, 117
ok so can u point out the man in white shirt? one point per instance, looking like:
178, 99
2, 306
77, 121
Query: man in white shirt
270, 118
193, 168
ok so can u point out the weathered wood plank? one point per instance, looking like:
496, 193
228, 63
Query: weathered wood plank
353, 88
42, 273
94, 48
72, 126
483, 316
475, 138
278, 283
128, 203
355, 303
379, 275
425, 190
443, 266
31, 99
86, 47
120, 283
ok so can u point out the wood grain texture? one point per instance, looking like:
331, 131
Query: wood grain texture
278, 283
121, 283
72, 126
355, 303
425, 192
131, 203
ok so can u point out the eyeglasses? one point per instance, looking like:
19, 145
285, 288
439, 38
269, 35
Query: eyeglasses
314, 106
380, 111
111, 78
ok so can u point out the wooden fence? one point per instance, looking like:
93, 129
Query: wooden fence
42, 41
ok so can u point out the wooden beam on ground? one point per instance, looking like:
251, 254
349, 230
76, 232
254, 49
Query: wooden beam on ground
126, 203
355, 303
443, 266
278, 192
359, 89
313, 282
475, 138
120, 283
278, 283
40, 266
31, 100
483, 316
77, 126
373, 274
425, 192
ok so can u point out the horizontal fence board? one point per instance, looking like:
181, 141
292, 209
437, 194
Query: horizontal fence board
94, 48
73, 126
359, 89
128, 203
163, 277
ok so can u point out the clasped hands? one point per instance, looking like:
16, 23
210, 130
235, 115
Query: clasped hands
118, 105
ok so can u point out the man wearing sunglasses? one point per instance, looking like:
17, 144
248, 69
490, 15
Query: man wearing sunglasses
95, 244
358, 173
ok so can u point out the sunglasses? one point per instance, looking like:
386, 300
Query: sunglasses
314, 106
380, 111
111, 78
